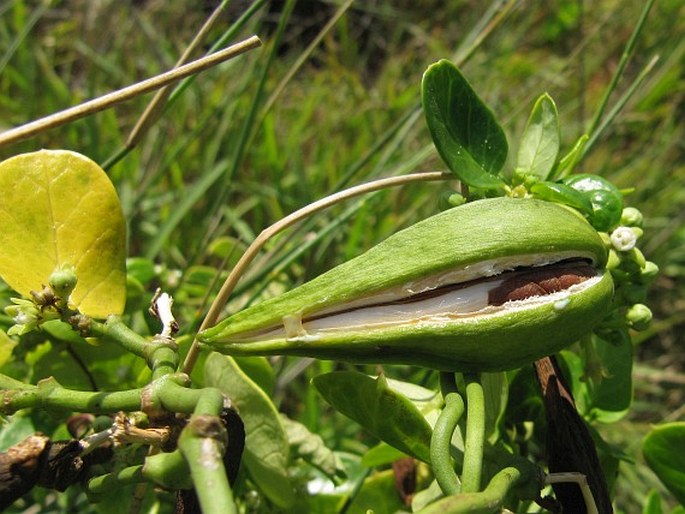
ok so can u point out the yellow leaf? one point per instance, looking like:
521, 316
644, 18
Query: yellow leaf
59, 208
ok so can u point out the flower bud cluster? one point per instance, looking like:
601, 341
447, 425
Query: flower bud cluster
632, 274
50, 303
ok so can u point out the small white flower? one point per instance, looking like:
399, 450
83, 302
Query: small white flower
623, 239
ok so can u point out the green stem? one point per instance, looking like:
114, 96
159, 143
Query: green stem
168, 470
104, 484
173, 394
486, 502
441, 463
202, 443
115, 330
160, 354
50, 394
475, 435
163, 360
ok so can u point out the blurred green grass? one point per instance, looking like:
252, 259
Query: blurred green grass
218, 165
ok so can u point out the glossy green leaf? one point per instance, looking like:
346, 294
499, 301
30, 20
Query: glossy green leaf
540, 144
561, 193
663, 451
464, 130
386, 413
266, 443
60, 208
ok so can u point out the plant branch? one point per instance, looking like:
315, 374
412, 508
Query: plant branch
50, 394
203, 443
227, 288
103, 102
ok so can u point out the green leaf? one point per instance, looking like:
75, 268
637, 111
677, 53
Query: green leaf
663, 451
381, 455
563, 194
378, 494
427, 401
540, 144
259, 370
7, 344
613, 395
495, 392
266, 443
387, 414
653, 503
60, 208
568, 161
464, 130
311, 448
18, 428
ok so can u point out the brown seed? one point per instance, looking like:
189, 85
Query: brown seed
540, 281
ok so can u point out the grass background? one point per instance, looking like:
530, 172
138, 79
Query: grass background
236, 152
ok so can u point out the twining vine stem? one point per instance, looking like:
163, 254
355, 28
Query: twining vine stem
441, 463
475, 435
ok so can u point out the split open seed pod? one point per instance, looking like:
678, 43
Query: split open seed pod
490, 285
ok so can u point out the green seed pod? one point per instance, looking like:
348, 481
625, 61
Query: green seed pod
490, 285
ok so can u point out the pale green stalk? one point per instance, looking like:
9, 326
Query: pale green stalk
441, 463
475, 435
489, 501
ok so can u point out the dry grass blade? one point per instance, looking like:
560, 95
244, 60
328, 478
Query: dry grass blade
145, 86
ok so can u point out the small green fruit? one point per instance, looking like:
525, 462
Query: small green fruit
606, 199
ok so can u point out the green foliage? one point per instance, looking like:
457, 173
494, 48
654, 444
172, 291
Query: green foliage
540, 143
266, 444
60, 209
662, 449
465, 132
347, 115
386, 413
